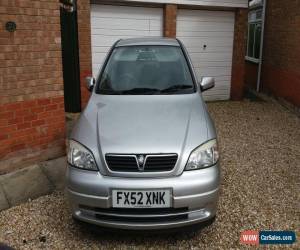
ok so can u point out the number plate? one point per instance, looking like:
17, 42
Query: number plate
141, 198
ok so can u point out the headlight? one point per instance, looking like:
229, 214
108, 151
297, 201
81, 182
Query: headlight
203, 156
81, 157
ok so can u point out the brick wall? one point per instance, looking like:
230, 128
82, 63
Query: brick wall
281, 54
84, 37
238, 56
170, 15
31, 84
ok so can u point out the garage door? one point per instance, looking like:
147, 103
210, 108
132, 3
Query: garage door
110, 23
208, 37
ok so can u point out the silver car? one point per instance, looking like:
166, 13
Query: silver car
143, 154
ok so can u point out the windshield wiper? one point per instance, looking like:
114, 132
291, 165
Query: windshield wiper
175, 88
139, 91
145, 91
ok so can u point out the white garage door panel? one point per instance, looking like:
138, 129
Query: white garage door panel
212, 42
215, 29
222, 79
99, 49
120, 11
213, 64
210, 49
206, 16
214, 71
125, 24
109, 40
204, 26
110, 23
118, 32
219, 34
210, 57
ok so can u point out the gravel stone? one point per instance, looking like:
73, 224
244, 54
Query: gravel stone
260, 159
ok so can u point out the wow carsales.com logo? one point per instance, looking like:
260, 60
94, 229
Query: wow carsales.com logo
267, 237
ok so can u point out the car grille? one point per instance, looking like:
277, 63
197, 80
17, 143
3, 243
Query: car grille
139, 215
121, 163
152, 163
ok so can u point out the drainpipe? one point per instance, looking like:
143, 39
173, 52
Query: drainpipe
261, 45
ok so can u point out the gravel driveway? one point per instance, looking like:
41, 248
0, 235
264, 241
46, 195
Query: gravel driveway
260, 144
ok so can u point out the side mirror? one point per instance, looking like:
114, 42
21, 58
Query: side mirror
207, 83
90, 82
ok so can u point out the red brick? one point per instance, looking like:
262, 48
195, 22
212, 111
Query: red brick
283, 83
251, 70
6, 115
170, 16
238, 57
38, 123
281, 52
34, 49
22, 112
44, 101
29, 104
51, 107
15, 120
25, 138
3, 137
6, 144
59, 99
19, 133
31, 81
13, 106
84, 36
59, 112
44, 115
8, 129
23, 125
38, 109
51, 120
18, 147
3, 123
30, 117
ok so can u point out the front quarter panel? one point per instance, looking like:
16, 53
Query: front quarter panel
85, 131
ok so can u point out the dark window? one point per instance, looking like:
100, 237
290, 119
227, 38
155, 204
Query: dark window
257, 40
254, 34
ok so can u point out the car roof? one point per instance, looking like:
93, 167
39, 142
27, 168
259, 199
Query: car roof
147, 41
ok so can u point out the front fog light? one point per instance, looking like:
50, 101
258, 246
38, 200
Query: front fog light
203, 156
81, 157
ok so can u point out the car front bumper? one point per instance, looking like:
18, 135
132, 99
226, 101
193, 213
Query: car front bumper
194, 199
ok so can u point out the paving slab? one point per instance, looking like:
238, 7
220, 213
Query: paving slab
3, 201
26, 183
55, 170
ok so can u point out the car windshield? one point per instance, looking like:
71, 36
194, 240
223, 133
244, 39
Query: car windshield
146, 70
